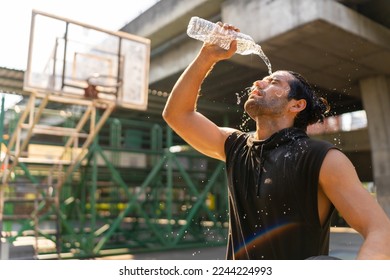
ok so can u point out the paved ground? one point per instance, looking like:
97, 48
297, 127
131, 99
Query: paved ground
344, 244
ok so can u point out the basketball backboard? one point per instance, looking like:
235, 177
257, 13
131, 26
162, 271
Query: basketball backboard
73, 59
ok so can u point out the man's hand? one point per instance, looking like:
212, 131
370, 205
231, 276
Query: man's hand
216, 53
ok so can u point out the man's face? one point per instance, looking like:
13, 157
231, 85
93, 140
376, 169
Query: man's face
269, 95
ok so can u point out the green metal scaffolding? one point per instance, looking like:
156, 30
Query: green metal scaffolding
138, 188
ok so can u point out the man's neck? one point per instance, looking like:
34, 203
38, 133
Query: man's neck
264, 129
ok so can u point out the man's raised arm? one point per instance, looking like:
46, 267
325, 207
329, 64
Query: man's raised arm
180, 110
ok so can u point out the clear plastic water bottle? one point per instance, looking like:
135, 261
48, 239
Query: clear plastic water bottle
210, 32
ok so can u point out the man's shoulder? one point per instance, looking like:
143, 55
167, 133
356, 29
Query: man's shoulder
317, 146
319, 142
237, 134
236, 140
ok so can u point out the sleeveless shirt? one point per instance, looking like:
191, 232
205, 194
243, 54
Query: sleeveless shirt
273, 186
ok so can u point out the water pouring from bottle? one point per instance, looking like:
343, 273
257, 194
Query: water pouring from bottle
210, 32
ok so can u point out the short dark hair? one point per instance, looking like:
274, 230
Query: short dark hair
316, 107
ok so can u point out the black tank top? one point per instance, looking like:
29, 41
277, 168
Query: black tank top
273, 187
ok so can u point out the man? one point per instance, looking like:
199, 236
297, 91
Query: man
283, 186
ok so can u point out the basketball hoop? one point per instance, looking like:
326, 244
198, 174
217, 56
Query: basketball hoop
97, 83
64, 65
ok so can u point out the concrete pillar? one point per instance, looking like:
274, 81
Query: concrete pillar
4, 250
376, 102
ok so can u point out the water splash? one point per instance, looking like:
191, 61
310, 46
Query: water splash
239, 98
244, 122
195, 253
243, 94
245, 117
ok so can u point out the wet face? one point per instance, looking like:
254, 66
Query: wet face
269, 95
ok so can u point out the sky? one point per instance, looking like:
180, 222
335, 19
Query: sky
15, 20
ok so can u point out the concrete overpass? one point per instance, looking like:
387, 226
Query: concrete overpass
342, 47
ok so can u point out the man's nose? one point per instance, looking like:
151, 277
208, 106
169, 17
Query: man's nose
260, 84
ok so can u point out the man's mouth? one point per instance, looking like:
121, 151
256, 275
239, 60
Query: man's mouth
256, 91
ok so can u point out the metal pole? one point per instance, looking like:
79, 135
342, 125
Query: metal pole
1, 185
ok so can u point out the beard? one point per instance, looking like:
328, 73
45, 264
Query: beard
261, 107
